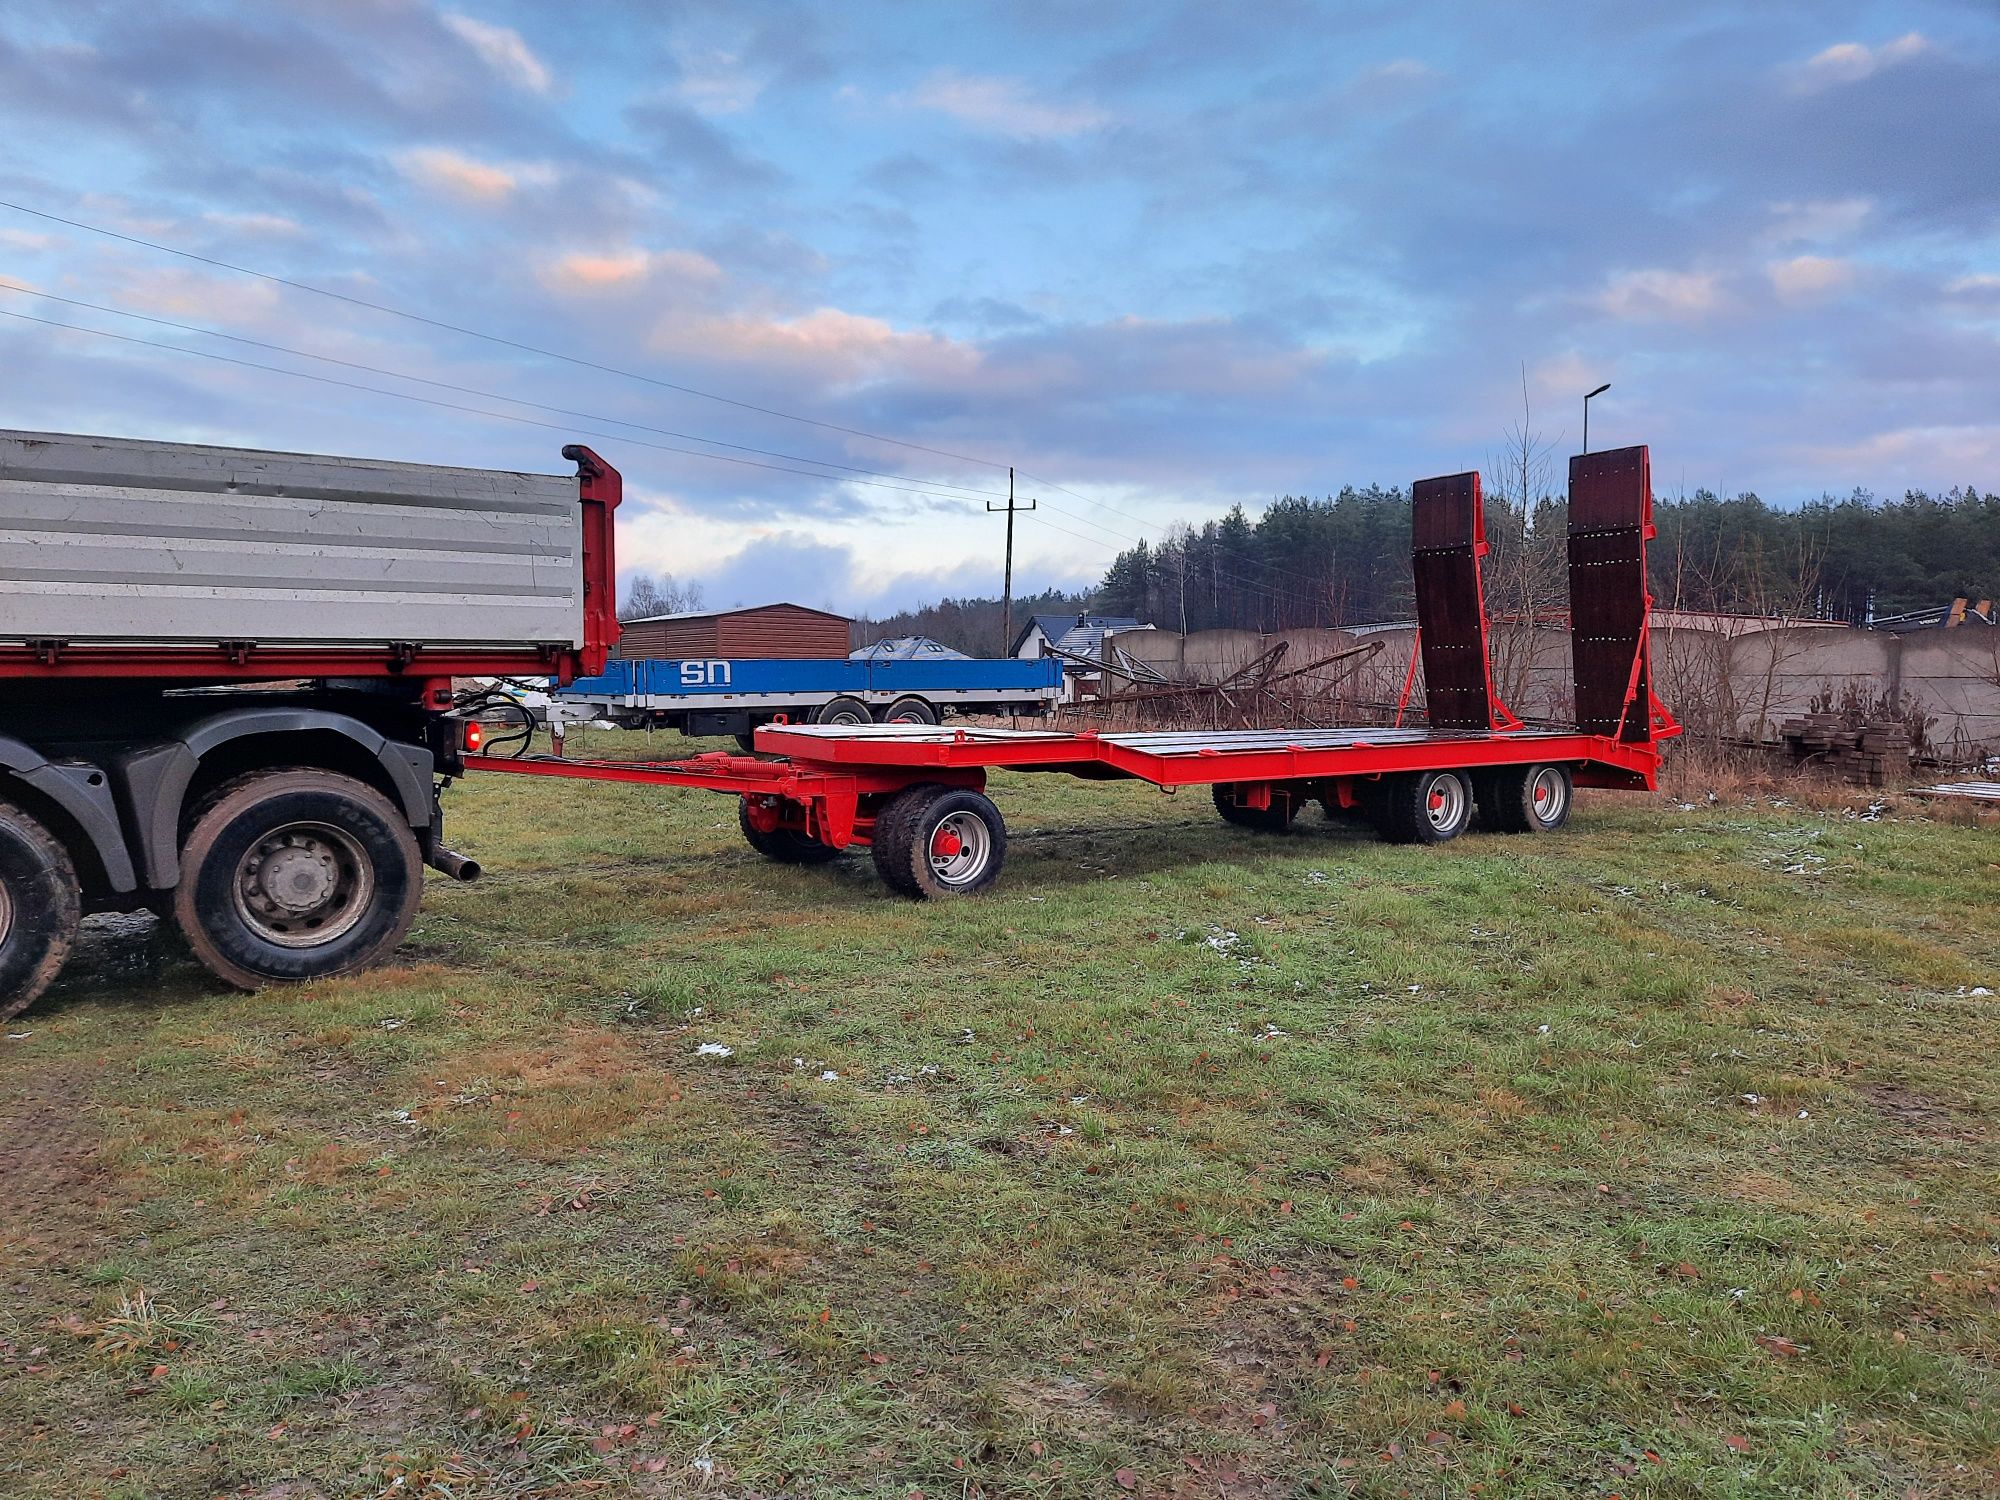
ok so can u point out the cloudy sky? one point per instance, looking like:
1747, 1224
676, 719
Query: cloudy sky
1161, 257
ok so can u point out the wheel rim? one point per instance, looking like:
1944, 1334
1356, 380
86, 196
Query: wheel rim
847, 716
1547, 795
959, 848
303, 885
1444, 802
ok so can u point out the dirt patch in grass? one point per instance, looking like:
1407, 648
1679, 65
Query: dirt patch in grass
52, 1173
1912, 1110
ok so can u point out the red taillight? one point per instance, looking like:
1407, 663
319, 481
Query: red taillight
475, 736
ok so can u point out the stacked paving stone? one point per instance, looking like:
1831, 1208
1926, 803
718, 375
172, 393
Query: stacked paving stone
1874, 752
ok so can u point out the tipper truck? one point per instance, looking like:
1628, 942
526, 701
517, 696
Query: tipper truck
226, 676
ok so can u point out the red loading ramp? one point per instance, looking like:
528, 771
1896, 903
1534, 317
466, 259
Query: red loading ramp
1610, 522
1448, 537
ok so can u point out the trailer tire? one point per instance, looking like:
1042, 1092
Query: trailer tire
1277, 818
909, 711
41, 906
1425, 807
786, 845
843, 710
349, 866
932, 841
1525, 799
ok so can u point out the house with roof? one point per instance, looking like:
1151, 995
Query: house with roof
1071, 635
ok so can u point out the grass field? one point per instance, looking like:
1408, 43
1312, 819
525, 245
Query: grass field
1651, 1158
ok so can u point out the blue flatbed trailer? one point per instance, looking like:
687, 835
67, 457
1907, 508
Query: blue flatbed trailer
716, 696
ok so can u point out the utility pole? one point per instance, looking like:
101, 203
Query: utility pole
1007, 587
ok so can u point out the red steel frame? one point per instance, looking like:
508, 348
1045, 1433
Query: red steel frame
832, 781
599, 490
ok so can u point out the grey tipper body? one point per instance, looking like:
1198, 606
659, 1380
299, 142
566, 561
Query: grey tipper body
108, 539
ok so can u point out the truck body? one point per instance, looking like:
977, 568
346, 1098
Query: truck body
722, 696
226, 678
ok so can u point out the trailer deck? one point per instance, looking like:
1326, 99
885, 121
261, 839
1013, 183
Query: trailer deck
914, 793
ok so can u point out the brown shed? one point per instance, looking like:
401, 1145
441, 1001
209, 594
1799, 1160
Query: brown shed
762, 632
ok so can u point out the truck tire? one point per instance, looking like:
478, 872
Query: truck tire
296, 874
41, 904
933, 841
909, 711
1524, 799
843, 711
786, 845
1425, 807
1277, 818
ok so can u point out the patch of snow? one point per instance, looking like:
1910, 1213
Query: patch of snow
714, 1049
829, 1076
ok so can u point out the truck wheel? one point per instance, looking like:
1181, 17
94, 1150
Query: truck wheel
1425, 807
1524, 799
843, 711
939, 841
41, 905
909, 711
786, 845
1276, 818
298, 874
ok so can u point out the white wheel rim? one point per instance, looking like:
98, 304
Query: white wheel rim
1444, 802
303, 885
959, 847
1548, 795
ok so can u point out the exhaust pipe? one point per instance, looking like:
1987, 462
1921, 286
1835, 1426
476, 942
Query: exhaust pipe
452, 863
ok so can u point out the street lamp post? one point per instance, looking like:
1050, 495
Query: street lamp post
1586, 412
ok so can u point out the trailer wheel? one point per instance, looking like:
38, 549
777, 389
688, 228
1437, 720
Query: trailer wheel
843, 711
935, 841
296, 874
1277, 818
909, 711
41, 904
1525, 799
1425, 807
786, 845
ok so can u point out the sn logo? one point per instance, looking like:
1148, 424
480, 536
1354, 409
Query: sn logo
705, 675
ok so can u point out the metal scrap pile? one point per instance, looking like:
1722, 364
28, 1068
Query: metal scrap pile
1263, 693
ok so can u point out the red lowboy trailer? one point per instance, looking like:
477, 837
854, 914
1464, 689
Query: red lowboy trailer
916, 793
226, 695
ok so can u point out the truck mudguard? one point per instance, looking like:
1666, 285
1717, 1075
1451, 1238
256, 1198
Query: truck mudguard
81, 791
155, 779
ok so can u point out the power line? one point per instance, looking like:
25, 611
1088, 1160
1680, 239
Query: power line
499, 416
491, 338
502, 416
576, 360
537, 350
466, 390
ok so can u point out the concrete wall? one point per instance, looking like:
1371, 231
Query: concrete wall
1743, 682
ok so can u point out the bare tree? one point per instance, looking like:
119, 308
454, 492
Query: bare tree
646, 596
